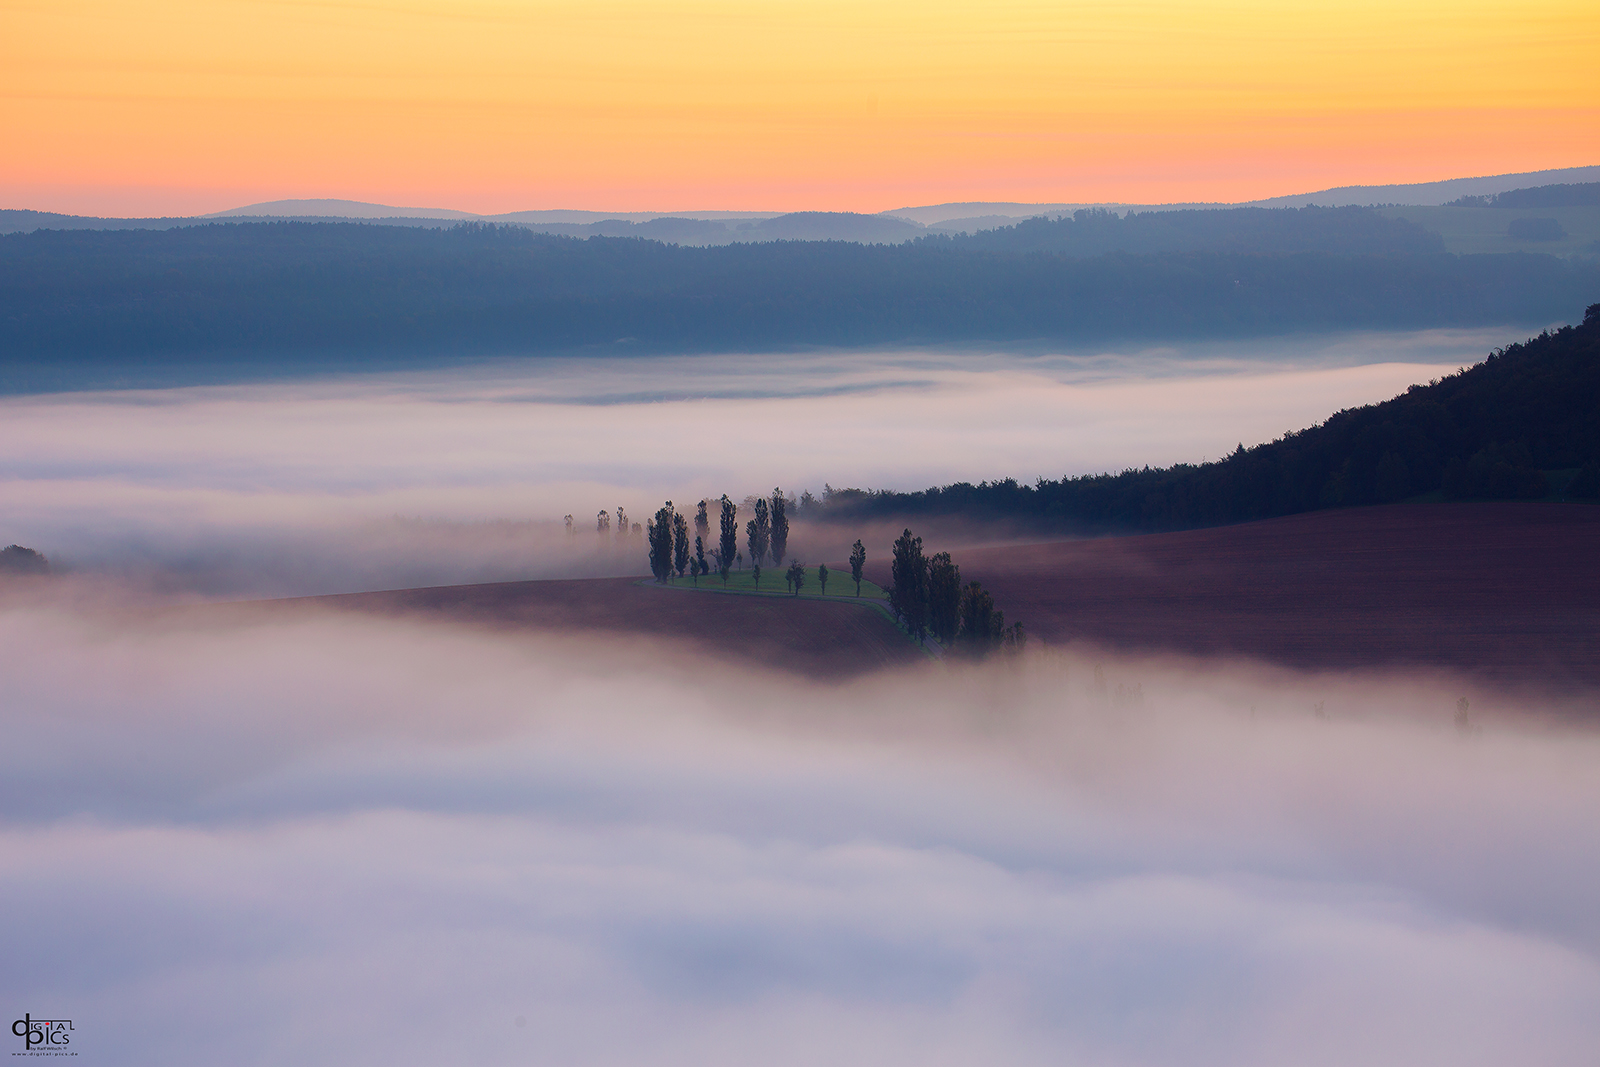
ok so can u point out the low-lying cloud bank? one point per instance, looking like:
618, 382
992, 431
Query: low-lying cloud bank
381, 482
322, 838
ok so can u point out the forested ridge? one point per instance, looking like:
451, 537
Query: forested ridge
1586, 194
1248, 230
313, 291
1523, 424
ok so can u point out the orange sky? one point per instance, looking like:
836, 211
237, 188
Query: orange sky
183, 106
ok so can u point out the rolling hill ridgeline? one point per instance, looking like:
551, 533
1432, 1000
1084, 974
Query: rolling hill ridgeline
315, 296
1523, 424
1246, 230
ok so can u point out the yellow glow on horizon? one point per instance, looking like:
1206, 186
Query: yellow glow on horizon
629, 105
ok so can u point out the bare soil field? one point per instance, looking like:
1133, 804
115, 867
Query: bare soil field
816, 638
1506, 592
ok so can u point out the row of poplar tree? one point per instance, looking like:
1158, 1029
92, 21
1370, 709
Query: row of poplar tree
928, 596
926, 593
766, 537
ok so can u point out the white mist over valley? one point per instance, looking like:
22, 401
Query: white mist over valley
412, 839
600, 852
348, 483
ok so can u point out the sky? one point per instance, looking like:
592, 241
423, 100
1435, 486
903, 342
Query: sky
187, 106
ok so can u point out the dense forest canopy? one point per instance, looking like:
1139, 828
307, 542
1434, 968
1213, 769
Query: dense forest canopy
313, 294
1523, 424
1585, 194
1248, 230
795, 226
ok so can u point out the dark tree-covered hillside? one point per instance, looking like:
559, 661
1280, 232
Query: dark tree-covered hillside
1488, 432
1243, 230
312, 295
1586, 194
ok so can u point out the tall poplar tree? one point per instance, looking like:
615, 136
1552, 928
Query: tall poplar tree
758, 533
858, 561
908, 596
981, 625
660, 537
944, 597
728, 543
680, 543
780, 527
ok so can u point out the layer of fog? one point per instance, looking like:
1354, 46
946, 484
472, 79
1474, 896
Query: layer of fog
354, 483
334, 839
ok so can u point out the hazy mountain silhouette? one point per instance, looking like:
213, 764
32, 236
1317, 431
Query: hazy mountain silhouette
1252, 230
1431, 193
306, 296
348, 209
689, 227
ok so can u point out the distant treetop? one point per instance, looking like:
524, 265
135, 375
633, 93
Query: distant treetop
18, 560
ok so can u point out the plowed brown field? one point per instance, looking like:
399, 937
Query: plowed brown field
1509, 592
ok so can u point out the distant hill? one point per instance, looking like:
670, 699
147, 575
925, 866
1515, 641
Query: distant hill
13, 220
1251, 230
1586, 194
1422, 194
348, 209
1521, 425
727, 227
1418, 194
314, 296
795, 226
